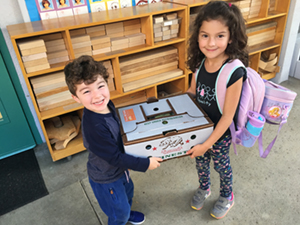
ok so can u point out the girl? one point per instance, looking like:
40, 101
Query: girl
219, 37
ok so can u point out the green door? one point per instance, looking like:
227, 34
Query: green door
15, 134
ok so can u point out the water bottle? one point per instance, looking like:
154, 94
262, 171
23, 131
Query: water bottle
254, 126
255, 123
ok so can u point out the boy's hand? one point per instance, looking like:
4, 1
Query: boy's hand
154, 163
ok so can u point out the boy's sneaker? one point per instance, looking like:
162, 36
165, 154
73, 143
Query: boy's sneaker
221, 207
136, 217
199, 198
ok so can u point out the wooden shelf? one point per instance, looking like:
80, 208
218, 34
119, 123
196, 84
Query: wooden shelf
268, 76
269, 17
66, 25
75, 146
42, 27
263, 47
279, 15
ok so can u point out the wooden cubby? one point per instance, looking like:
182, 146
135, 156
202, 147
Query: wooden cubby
66, 25
277, 12
145, 13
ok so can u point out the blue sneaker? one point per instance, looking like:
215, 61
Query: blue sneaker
136, 217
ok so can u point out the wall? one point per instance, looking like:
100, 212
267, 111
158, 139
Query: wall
289, 41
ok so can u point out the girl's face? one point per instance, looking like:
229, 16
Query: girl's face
213, 39
94, 96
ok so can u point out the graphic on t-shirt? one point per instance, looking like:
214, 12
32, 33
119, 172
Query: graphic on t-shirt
205, 94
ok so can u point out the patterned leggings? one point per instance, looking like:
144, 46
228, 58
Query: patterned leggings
220, 156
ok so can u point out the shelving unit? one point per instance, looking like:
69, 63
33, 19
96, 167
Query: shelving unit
270, 10
67, 25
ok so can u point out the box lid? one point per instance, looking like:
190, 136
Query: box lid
165, 115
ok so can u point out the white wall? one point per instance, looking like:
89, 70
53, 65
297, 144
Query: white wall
11, 14
289, 41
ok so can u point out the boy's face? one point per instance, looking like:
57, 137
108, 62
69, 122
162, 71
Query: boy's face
94, 96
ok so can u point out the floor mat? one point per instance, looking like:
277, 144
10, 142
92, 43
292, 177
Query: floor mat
21, 181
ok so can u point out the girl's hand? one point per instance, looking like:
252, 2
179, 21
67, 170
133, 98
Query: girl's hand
197, 150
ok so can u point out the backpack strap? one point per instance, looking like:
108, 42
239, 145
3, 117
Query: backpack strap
197, 71
221, 86
223, 78
264, 153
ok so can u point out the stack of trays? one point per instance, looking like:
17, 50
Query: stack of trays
254, 8
81, 45
165, 26
106, 38
244, 7
115, 29
136, 39
272, 5
96, 31
146, 68
118, 43
262, 33
110, 80
132, 27
33, 52
77, 32
51, 91
56, 48
101, 44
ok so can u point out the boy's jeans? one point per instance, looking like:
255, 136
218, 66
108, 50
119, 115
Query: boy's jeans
115, 199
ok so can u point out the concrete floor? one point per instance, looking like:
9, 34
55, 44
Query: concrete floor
266, 190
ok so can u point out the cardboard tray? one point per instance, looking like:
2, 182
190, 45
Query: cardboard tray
165, 128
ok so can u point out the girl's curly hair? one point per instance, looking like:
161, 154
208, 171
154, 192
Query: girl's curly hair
231, 16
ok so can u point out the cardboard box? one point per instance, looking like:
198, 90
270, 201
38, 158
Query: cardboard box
165, 128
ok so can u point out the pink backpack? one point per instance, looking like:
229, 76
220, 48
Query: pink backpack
260, 101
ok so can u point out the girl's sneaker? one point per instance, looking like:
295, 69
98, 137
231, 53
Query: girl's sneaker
221, 207
136, 217
199, 197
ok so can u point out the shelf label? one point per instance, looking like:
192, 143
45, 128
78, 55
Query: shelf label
168, 23
128, 115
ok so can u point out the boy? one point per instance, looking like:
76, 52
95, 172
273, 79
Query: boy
108, 164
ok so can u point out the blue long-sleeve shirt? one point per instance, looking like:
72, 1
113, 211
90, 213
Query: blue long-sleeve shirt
102, 138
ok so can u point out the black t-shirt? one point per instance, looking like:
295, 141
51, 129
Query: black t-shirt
206, 96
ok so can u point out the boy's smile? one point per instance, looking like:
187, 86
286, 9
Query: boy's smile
94, 96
